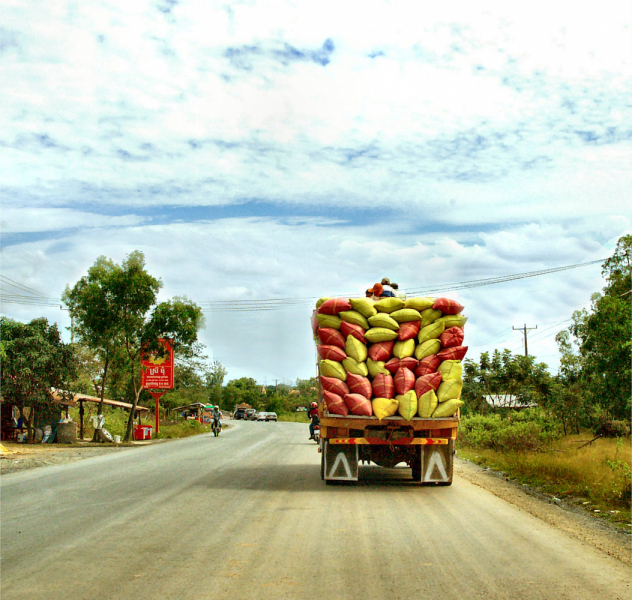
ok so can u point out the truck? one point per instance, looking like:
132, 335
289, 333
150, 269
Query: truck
425, 445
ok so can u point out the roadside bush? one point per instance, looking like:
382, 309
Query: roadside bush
530, 430
612, 429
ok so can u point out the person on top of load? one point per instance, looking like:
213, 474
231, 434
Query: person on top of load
314, 420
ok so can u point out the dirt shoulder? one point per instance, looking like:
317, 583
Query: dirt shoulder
569, 519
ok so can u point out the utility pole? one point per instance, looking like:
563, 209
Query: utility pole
524, 332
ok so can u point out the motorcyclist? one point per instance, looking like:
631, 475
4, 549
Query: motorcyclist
216, 415
313, 415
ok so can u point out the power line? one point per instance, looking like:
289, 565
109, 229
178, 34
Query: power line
524, 330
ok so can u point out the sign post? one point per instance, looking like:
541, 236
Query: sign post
156, 373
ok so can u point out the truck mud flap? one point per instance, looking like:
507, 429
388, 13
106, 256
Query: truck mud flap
436, 464
340, 462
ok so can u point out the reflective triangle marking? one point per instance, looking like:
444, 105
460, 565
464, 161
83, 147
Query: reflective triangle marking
436, 461
341, 458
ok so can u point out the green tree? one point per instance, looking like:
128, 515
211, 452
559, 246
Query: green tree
602, 338
244, 389
504, 374
135, 318
215, 376
35, 360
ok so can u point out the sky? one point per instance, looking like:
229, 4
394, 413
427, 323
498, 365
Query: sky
291, 150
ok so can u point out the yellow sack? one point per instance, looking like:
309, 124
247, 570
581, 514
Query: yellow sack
384, 407
454, 321
376, 367
431, 332
447, 409
353, 316
426, 404
404, 349
406, 315
356, 349
451, 369
389, 305
380, 334
364, 306
322, 301
331, 368
419, 303
383, 320
328, 321
427, 348
353, 366
430, 315
450, 390
407, 405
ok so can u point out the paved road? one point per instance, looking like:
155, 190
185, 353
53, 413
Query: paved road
246, 516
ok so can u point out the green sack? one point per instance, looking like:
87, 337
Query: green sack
450, 390
321, 301
431, 332
389, 305
384, 407
453, 321
383, 320
404, 349
364, 306
427, 348
451, 369
419, 303
406, 315
430, 315
407, 405
426, 404
353, 316
380, 334
331, 368
376, 367
447, 409
356, 349
328, 321
351, 365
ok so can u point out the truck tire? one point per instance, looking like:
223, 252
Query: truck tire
322, 465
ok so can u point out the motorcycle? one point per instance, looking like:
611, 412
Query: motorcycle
317, 432
216, 427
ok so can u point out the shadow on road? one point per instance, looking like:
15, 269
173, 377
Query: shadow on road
303, 478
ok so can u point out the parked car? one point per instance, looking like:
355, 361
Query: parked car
250, 414
271, 416
261, 416
240, 413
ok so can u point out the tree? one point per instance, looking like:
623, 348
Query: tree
504, 374
35, 360
602, 338
244, 389
136, 320
215, 376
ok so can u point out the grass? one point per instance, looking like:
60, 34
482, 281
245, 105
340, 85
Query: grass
294, 417
596, 477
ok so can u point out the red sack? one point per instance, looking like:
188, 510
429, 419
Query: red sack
425, 383
407, 331
383, 386
335, 404
332, 353
359, 385
392, 365
314, 322
456, 353
447, 306
451, 337
404, 380
410, 362
356, 331
334, 305
427, 365
359, 405
334, 385
381, 351
331, 337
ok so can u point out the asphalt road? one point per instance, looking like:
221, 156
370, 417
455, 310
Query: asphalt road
246, 516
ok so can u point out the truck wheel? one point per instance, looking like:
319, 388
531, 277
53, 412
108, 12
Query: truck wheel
322, 466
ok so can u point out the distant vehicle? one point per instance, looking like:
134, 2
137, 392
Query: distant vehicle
271, 416
250, 414
240, 413
261, 416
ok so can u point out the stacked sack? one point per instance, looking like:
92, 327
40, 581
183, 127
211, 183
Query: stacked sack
390, 356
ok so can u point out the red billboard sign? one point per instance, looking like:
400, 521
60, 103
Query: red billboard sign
156, 371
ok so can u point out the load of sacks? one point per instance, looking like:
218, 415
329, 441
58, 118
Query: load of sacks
390, 356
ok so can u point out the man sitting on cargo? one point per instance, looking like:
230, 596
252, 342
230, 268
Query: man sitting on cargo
314, 420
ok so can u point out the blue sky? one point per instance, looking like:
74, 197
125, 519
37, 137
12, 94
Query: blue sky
277, 149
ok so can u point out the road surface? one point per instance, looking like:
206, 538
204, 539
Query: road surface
246, 516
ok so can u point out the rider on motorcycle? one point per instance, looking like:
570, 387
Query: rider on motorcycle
216, 415
313, 415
